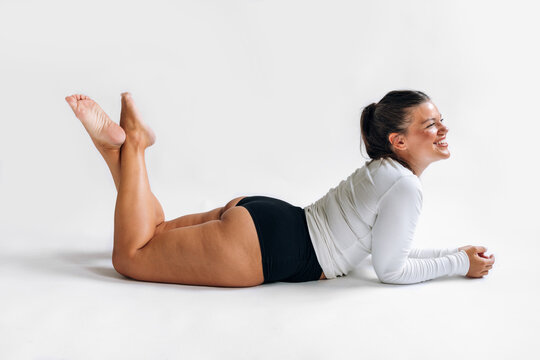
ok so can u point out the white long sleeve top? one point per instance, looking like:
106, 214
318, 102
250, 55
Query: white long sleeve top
375, 211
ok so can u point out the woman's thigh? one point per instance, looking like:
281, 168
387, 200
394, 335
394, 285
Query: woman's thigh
198, 218
223, 252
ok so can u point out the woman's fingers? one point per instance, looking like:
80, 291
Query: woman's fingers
488, 264
480, 249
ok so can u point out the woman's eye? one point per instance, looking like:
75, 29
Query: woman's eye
433, 123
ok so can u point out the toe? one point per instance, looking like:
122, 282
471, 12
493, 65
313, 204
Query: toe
127, 99
72, 101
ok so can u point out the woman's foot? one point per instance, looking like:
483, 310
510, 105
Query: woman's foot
103, 131
130, 120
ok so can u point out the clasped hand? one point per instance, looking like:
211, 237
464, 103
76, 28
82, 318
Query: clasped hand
480, 264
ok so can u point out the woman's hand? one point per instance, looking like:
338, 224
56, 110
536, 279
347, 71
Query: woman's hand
480, 264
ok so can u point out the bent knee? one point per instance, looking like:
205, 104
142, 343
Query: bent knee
122, 263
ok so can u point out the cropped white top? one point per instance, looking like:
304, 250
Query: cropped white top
375, 211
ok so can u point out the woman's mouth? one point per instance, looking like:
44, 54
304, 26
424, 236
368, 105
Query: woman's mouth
441, 143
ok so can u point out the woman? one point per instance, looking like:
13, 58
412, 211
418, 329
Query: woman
258, 239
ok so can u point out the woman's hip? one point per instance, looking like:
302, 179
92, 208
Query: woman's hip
286, 247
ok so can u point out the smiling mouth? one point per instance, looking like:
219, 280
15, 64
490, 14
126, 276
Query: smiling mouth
441, 143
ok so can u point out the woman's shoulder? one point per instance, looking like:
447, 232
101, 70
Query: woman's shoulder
386, 172
392, 167
369, 184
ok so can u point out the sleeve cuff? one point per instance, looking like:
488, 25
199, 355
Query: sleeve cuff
463, 264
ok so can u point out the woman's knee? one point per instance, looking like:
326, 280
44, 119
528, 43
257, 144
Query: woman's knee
121, 262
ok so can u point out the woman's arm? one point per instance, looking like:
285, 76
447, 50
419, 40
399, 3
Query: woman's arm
393, 234
431, 252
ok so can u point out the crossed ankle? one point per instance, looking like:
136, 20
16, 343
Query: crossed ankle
136, 140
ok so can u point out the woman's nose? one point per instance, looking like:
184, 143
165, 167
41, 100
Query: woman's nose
444, 128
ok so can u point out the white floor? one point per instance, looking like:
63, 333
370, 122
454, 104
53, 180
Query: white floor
62, 299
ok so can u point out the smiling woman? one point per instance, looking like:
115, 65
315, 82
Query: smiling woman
376, 209
424, 141
407, 127
254, 240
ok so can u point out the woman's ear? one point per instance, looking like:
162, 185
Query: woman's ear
398, 141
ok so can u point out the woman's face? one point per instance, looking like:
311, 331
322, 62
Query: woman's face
425, 141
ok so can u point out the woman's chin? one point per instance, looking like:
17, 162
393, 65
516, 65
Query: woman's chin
447, 154
441, 156
444, 154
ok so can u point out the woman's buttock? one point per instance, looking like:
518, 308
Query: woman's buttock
286, 248
243, 246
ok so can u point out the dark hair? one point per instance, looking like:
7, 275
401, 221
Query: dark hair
390, 115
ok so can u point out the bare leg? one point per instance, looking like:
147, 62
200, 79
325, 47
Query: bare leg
222, 252
107, 136
112, 158
129, 111
199, 218
134, 218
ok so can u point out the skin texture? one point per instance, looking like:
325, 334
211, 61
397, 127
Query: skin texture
417, 147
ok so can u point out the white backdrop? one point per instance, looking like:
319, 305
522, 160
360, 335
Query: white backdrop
264, 98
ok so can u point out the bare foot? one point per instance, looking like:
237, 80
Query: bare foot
102, 130
131, 122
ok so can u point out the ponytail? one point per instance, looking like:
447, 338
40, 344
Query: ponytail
367, 118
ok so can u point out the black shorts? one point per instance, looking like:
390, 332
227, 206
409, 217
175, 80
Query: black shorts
286, 247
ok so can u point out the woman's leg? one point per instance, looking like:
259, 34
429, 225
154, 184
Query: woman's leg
134, 217
139, 138
112, 158
198, 218
108, 138
222, 252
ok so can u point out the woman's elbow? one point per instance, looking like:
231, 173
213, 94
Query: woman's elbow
393, 278
386, 280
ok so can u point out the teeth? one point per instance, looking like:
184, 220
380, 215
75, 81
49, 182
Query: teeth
442, 142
